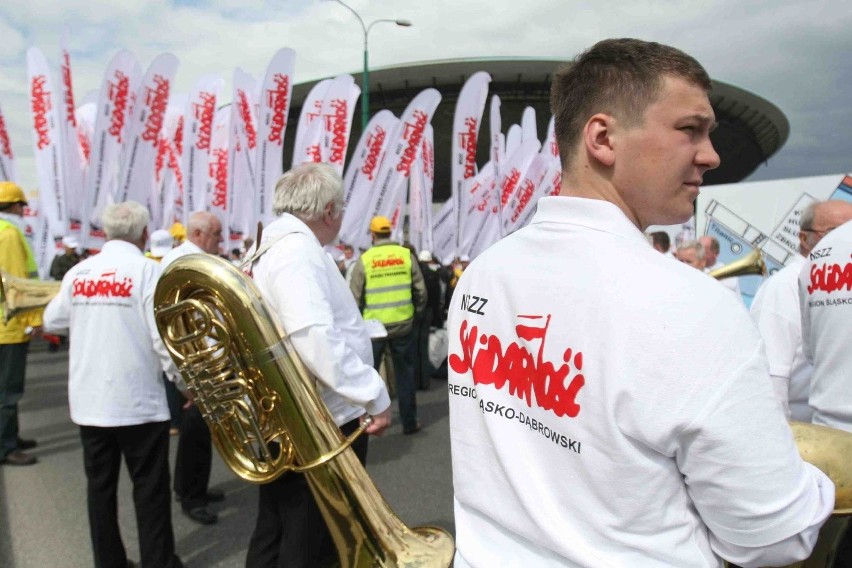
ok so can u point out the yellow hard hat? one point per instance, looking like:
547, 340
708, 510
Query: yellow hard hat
10, 192
178, 231
380, 224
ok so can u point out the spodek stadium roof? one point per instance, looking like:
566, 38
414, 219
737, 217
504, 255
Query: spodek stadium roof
751, 129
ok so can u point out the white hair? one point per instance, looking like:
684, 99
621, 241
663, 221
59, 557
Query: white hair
125, 221
305, 190
693, 245
200, 221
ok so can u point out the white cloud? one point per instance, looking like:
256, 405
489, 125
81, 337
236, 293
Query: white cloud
791, 53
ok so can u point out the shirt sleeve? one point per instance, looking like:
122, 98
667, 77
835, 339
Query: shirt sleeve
418, 287
304, 306
57, 314
744, 473
327, 356
152, 274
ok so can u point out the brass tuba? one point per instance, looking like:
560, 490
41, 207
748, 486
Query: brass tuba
265, 416
19, 295
830, 450
752, 263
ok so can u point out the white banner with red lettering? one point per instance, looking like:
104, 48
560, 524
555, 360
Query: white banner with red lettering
513, 172
520, 199
306, 148
388, 194
498, 140
362, 171
146, 121
241, 221
218, 197
196, 142
549, 147
550, 184
420, 194
337, 110
7, 158
114, 101
529, 126
482, 214
271, 126
73, 161
444, 233
167, 165
47, 143
466, 122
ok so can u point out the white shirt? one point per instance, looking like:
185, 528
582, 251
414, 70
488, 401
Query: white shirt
182, 249
775, 310
732, 283
825, 291
635, 424
304, 287
116, 355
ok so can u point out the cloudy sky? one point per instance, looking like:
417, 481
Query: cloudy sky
796, 54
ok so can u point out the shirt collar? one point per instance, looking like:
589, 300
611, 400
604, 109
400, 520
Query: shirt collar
594, 214
124, 247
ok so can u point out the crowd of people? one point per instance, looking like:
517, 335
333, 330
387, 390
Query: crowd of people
577, 438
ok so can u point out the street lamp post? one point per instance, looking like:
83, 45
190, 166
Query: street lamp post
365, 88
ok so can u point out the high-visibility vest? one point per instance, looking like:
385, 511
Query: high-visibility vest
387, 288
32, 267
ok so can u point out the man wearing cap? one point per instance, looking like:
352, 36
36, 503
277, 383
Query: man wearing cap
388, 286
62, 263
161, 243
194, 451
16, 259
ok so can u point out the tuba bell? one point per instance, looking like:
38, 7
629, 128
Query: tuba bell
752, 263
19, 295
265, 416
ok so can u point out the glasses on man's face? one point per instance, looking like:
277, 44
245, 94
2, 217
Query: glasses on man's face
820, 232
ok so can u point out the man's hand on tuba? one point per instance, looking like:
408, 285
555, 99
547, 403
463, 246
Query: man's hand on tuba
379, 422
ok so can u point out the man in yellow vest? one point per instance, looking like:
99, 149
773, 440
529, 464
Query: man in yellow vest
389, 287
16, 259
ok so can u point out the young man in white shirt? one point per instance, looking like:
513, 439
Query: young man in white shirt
577, 438
116, 393
778, 316
304, 287
194, 452
825, 293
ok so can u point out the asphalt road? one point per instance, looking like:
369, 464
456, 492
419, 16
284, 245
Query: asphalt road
43, 520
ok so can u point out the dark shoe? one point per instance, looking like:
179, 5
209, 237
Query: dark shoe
414, 430
24, 444
201, 515
17, 457
215, 496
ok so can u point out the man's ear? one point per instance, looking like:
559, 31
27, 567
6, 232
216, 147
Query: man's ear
597, 138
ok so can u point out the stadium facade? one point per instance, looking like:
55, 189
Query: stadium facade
751, 129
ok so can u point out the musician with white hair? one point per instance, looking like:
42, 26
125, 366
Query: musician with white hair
304, 287
115, 391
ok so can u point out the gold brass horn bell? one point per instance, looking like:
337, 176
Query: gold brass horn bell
19, 295
752, 263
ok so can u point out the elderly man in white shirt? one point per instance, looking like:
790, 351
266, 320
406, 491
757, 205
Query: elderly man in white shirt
712, 262
825, 295
778, 316
578, 437
115, 392
304, 287
194, 452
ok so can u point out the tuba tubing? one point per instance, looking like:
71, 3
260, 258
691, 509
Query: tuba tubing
265, 415
752, 263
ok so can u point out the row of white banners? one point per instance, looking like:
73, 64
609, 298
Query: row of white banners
182, 153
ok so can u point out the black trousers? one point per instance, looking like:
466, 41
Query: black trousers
193, 461
13, 365
290, 531
145, 448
